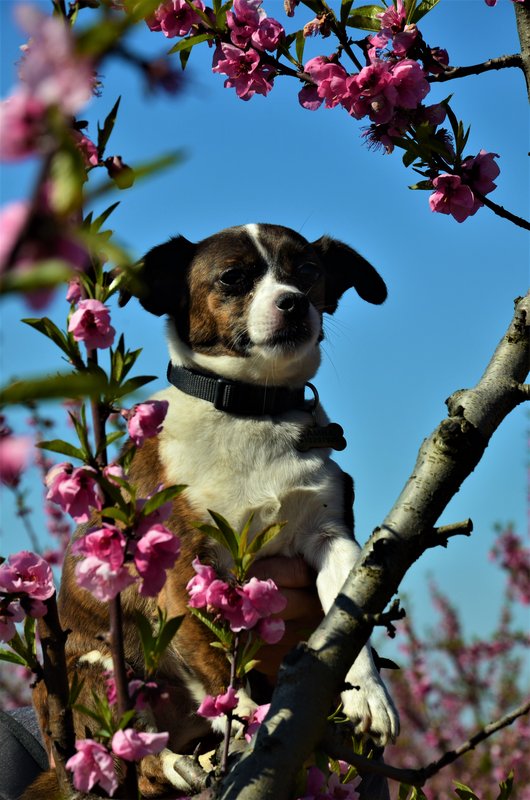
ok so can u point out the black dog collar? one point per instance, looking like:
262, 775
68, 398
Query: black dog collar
235, 397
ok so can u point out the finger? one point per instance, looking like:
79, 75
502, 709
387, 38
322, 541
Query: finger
286, 572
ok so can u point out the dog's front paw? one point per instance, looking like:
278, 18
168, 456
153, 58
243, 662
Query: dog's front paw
370, 709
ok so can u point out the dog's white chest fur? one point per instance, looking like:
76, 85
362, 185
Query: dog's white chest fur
236, 465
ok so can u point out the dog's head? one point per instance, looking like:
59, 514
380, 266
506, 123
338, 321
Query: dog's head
247, 303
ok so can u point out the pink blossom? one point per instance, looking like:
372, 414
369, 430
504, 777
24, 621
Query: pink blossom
28, 574
271, 629
91, 765
403, 41
255, 720
269, 34
10, 613
246, 74
74, 490
73, 295
98, 578
133, 745
146, 419
264, 596
244, 21
330, 79
330, 788
53, 72
394, 18
452, 197
479, 172
156, 551
114, 471
87, 148
91, 324
198, 586
15, 452
309, 98
106, 544
13, 219
221, 704
22, 122
408, 80
175, 18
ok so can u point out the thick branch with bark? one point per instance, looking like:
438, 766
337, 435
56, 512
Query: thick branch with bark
313, 674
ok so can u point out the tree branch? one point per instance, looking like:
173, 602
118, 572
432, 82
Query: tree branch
501, 211
502, 62
418, 777
296, 721
522, 17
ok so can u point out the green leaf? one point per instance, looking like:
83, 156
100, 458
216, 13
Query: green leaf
115, 513
97, 224
41, 275
424, 185
506, 788
167, 631
243, 536
105, 132
165, 496
215, 533
264, 537
365, 18
224, 635
13, 658
404, 791
191, 41
345, 9
73, 384
48, 328
60, 446
464, 792
300, 46
75, 689
112, 437
228, 532
115, 391
424, 7
67, 174
29, 634
87, 711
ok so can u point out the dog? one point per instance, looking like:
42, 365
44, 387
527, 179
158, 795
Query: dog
244, 314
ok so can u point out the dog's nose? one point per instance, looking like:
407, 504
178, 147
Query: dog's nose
293, 304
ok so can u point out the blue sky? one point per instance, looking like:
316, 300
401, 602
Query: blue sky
386, 371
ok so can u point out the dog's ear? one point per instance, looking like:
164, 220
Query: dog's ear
345, 268
161, 281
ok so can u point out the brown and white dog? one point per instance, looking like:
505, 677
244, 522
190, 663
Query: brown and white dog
244, 310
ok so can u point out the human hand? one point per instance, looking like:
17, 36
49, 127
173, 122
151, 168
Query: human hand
296, 581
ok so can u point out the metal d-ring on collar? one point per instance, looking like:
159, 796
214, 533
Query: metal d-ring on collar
312, 404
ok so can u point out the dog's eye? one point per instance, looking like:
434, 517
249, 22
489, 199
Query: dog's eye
232, 278
309, 273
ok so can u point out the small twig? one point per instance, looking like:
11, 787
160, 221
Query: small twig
502, 62
60, 726
228, 729
440, 536
418, 777
387, 618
